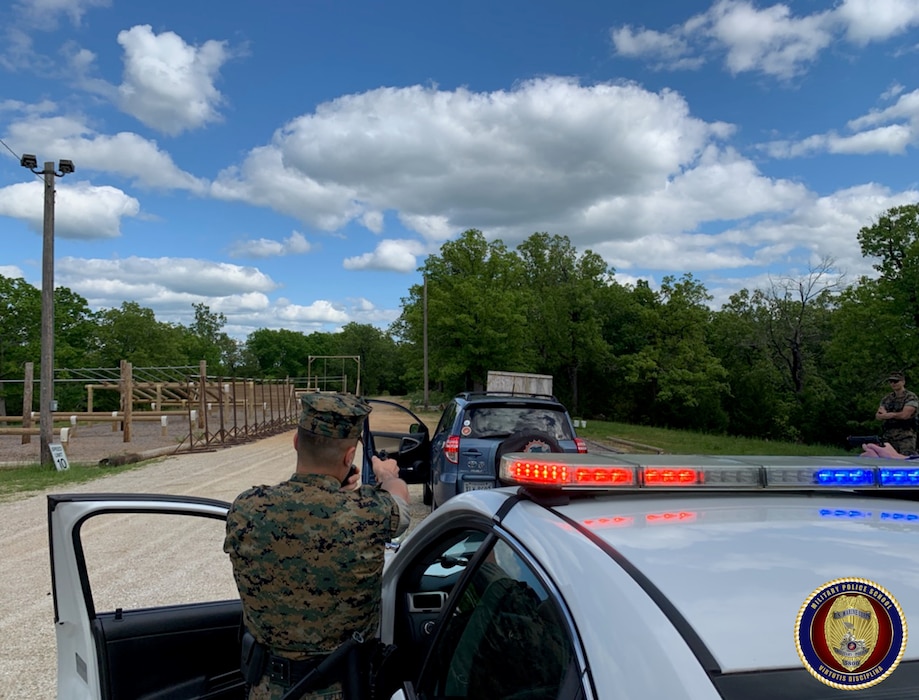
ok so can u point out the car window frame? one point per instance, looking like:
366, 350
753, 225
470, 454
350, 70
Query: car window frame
494, 536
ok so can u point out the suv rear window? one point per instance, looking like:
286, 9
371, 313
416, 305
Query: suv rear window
501, 421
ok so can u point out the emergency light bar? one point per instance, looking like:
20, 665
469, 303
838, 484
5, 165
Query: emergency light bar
632, 472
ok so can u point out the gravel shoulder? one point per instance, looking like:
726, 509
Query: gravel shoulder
28, 654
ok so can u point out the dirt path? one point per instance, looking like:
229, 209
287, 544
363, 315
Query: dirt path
28, 653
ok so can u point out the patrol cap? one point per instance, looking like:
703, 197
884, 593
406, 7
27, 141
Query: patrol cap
895, 377
338, 416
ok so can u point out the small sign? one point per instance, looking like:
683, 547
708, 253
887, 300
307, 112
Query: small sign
59, 457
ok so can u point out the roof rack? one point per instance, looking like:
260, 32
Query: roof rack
468, 395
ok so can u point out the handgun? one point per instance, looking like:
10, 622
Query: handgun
859, 440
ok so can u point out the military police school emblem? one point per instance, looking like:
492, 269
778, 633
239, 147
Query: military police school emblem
850, 633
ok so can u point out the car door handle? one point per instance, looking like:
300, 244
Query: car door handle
472, 453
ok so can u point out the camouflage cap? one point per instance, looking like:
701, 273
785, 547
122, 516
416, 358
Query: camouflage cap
333, 415
895, 377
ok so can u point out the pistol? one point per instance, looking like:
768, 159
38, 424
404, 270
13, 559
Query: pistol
859, 440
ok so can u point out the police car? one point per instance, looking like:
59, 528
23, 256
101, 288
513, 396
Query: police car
586, 576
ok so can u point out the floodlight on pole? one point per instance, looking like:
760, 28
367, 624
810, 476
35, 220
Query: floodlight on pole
46, 398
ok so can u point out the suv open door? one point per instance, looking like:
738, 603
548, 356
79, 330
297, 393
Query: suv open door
394, 429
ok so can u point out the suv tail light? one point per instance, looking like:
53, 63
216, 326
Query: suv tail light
451, 449
581, 445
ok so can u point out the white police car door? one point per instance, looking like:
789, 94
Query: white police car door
504, 633
127, 630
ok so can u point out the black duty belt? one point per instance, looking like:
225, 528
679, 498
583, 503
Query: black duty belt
284, 671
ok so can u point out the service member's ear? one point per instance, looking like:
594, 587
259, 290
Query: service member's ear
349, 455
296, 440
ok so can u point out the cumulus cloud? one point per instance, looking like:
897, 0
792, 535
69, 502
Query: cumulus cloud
769, 40
169, 85
82, 210
510, 162
125, 153
399, 256
295, 244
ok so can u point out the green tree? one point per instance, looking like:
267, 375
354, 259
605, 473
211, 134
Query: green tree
380, 369
475, 311
206, 340
133, 334
563, 319
682, 380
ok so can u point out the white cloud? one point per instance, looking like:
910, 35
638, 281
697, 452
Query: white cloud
891, 130
11, 272
136, 277
81, 210
168, 84
509, 162
399, 256
125, 153
318, 312
44, 14
769, 40
872, 20
295, 244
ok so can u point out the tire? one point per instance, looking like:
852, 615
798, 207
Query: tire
526, 441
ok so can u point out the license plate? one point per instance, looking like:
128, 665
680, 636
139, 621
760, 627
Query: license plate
477, 485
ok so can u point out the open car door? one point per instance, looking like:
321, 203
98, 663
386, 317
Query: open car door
125, 630
395, 430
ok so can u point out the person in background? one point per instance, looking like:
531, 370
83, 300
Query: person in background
898, 413
308, 553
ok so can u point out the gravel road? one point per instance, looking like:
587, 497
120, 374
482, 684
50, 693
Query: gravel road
27, 654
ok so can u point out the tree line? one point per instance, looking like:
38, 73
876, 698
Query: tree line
804, 359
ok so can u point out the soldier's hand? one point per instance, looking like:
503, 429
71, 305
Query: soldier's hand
352, 482
384, 468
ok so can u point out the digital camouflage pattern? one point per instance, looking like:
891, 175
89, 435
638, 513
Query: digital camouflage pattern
901, 434
333, 415
308, 559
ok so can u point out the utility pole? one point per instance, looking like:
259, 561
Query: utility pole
425, 341
46, 395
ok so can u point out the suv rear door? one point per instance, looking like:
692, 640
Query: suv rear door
126, 630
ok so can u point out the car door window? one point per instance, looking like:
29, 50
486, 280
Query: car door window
506, 638
446, 420
123, 555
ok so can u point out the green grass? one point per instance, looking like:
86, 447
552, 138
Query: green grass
650, 439
19, 482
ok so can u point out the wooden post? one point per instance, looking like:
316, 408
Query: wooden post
27, 382
202, 397
89, 398
127, 378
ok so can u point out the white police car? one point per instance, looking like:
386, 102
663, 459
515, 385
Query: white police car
592, 577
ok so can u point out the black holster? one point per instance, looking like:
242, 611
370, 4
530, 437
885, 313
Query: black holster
253, 659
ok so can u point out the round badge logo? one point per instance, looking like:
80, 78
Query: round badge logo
850, 633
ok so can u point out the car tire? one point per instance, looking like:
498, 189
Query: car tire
526, 441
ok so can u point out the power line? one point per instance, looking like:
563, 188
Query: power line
16, 155
10, 149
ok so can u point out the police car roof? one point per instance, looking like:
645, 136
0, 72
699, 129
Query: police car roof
738, 568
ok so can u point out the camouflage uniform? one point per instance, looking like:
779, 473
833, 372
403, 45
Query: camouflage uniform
901, 434
308, 556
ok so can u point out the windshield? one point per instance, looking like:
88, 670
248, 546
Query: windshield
501, 421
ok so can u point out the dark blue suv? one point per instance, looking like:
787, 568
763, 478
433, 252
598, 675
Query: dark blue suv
474, 431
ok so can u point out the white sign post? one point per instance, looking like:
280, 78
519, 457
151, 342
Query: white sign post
59, 457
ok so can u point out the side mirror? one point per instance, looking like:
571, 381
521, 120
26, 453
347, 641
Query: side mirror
414, 428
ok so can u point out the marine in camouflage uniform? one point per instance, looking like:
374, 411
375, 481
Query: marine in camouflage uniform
307, 553
898, 411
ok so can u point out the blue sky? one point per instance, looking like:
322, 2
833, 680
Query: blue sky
291, 164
